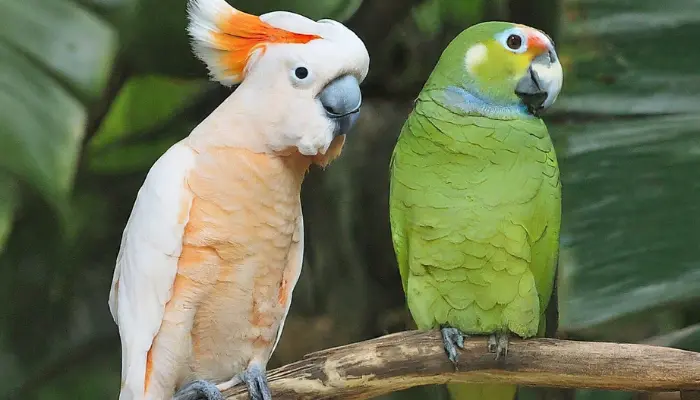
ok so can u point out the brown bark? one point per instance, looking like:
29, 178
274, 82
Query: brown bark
402, 360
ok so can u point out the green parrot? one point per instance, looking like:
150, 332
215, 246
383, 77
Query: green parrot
475, 196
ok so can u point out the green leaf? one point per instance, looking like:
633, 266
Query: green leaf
52, 52
64, 39
629, 184
623, 61
41, 125
630, 212
143, 103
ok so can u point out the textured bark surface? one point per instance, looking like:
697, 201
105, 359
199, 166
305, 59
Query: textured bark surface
413, 358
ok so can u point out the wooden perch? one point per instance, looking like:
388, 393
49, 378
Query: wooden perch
402, 360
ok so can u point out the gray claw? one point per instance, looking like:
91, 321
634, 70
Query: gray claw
502, 348
492, 343
199, 390
451, 339
498, 343
256, 381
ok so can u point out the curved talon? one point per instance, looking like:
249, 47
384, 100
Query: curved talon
451, 339
491, 343
502, 347
498, 343
256, 382
199, 390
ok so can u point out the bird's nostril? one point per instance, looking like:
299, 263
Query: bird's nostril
329, 109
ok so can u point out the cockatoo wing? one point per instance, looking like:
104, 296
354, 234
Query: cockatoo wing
147, 261
291, 274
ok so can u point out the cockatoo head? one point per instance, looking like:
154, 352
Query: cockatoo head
299, 79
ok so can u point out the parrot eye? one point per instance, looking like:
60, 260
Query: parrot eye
301, 73
514, 42
301, 76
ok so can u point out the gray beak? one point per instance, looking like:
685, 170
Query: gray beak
541, 85
341, 99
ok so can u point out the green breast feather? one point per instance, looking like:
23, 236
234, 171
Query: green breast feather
475, 213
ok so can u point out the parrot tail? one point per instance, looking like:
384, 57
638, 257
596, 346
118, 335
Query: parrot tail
463, 391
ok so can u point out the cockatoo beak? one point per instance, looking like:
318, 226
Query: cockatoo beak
342, 99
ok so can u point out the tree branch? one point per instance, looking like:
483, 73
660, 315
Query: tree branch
402, 360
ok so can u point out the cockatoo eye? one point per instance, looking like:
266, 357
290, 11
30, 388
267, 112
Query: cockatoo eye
301, 73
301, 76
514, 42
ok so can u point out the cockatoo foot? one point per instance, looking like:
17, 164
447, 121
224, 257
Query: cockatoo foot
199, 390
498, 343
256, 381
451, 339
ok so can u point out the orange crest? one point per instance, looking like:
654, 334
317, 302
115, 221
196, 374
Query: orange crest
241, 34
225, 38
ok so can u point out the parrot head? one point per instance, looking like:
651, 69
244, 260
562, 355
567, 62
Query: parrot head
499, 70
298, 79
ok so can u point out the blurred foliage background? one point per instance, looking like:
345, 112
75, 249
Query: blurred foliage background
93, 91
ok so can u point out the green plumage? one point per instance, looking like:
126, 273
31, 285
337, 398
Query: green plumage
475, 210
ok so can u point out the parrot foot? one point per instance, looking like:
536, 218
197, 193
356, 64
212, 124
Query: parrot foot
256, 381
451, 339
199, 390
498, 343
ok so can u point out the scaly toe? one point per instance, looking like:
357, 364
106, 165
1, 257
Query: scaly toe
256, 382
502, 347
452, 338
263, 388
199, 390
492, 343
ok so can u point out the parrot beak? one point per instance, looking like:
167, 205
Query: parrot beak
341, 99
542, 82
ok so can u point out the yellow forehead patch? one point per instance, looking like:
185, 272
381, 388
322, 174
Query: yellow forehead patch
475, 56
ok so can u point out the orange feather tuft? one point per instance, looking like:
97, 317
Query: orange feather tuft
149, 368
240, 34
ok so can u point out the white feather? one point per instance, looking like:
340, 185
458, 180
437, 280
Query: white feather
203, 15
475, 56
147, 262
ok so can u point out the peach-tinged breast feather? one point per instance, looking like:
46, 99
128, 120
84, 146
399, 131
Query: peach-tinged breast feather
291, 275
147, 262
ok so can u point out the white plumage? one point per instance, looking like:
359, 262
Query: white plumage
147, 262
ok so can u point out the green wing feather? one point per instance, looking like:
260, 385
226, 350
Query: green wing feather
397, 233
